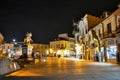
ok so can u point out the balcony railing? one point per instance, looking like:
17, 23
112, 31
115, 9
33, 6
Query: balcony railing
108, 35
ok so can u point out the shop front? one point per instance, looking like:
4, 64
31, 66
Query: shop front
118, 49
111, 50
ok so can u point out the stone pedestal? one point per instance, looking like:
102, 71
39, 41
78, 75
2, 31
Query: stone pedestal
27, 51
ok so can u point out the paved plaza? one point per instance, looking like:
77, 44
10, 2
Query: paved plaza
66, 69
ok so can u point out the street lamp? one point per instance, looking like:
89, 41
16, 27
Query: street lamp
14, 40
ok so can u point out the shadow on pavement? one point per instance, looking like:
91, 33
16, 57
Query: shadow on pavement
27, 78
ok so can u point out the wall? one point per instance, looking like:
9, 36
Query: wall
7, 66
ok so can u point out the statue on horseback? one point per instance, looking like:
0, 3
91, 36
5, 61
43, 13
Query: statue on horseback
28, 39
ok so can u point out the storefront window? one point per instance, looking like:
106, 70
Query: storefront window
111, 52
102, 50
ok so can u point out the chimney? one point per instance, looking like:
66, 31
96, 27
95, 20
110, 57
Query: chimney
106, 14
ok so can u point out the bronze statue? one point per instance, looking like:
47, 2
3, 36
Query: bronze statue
28, 39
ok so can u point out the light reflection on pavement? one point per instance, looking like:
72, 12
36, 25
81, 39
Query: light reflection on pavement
60, 68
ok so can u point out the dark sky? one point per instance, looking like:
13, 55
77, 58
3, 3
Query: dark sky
46, 18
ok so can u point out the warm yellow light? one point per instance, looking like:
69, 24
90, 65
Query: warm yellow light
78, 49
51, 50
58, 52
47, 51
66, 52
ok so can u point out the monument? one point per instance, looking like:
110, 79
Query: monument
27, 47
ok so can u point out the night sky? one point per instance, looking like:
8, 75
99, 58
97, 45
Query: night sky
46, 18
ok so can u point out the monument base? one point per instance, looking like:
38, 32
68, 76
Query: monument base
27, 52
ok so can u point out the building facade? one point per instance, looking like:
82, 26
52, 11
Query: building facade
41, 48
102, 40
109, 40
82, 33
62, 48
116, 13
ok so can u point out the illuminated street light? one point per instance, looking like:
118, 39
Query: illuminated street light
78, 50
14, 40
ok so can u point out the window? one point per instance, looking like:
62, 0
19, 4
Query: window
46, 47
111, 52
89, 37
109, 28
119, 22
58, 45
100, 35
86, 31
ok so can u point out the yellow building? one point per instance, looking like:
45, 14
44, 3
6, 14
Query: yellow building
41, 48
61, 47
6, 48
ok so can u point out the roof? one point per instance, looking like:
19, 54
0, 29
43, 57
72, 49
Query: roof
93, 21
117, 11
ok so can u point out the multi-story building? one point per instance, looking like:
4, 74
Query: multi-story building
81, 30
116, 13
102, 42
41, 48
97, 41
102, 38
109, 40
62, 48
7, 49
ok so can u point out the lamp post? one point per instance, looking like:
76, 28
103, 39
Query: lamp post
14, 40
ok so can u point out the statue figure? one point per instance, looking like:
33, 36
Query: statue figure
28, 39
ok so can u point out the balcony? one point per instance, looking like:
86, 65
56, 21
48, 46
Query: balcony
108, 35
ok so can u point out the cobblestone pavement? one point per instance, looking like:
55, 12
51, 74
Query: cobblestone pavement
66, 69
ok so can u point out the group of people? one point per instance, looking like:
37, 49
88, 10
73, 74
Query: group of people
38, 55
